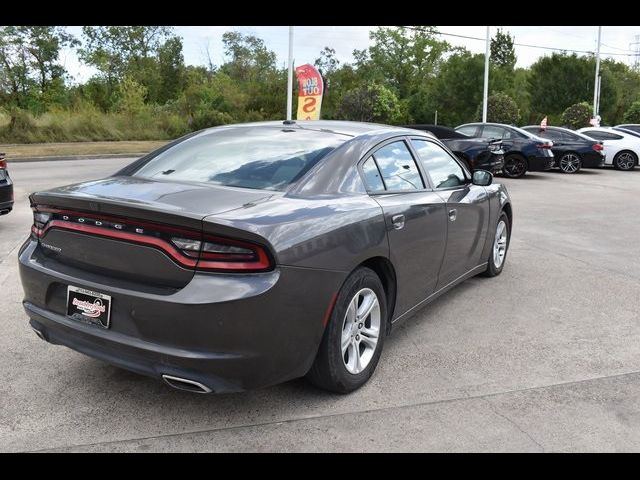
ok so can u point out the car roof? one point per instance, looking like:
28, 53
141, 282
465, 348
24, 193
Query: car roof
339, 127
438, 131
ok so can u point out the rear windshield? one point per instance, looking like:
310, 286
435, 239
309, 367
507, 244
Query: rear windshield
249, 157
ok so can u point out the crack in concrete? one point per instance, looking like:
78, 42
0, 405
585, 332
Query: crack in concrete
512, 422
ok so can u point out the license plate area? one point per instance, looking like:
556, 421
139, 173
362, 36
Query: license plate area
87, 306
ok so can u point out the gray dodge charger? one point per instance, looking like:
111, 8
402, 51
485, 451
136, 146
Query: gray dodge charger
247, 255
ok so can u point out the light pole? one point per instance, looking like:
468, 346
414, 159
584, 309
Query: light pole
485, 94
596, 83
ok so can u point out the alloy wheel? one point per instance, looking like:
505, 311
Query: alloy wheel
625, 161
570, 163
500, 244
360, 330
514, 167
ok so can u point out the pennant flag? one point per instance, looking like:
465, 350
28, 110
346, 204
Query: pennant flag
543, 123
310, 90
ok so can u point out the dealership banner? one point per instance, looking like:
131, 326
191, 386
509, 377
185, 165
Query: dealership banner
310, 89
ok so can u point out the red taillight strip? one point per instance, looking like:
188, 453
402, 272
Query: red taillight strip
262, 263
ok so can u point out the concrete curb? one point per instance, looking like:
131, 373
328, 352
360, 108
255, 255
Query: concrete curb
75, 157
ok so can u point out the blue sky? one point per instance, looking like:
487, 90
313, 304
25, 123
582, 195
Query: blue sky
309, 41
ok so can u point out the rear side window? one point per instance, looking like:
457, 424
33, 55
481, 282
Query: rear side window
469, 130
372, 178
398, 168
250, 157
598, 135
444, 171
491, 131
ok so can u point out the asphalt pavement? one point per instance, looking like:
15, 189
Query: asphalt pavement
545, 357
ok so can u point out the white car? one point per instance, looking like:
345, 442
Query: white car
621, 149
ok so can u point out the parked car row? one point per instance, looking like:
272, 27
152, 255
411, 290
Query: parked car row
534, 148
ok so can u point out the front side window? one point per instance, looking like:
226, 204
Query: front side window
443, 170
250, 157
398, 168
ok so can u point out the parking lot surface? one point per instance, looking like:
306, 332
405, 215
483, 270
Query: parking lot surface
545, 357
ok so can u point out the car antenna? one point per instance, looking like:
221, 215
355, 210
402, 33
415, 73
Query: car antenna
289, 122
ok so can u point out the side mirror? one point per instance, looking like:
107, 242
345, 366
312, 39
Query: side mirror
482, 178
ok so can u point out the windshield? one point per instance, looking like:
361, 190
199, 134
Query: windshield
250, 157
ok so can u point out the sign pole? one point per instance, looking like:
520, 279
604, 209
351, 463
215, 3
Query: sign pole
290, 75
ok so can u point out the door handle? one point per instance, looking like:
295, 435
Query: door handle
397, 221
453, 213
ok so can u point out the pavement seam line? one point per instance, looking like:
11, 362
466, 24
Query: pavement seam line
564, 255
372, 410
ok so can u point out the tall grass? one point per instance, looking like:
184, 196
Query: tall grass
87, 124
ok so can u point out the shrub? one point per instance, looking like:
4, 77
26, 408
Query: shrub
632, 115
371, 103
501, 108
577, 115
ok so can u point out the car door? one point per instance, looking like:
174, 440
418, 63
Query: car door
496, 131
415, 219
467, 208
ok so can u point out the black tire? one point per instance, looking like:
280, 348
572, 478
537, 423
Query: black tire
625, 160
328, 370
492, 269
570, 162
515, 166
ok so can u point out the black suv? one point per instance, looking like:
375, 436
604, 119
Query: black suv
523, 151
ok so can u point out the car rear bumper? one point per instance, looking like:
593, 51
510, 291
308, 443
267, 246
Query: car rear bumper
593, 161
542, 163
226, 332
6, 198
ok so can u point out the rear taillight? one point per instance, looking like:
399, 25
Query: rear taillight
215, 253
188, 248
598, 147
544, 145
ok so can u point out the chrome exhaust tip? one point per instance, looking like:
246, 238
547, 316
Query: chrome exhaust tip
184, 384
39, 334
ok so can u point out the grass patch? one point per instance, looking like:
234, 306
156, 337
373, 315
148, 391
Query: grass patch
16, 152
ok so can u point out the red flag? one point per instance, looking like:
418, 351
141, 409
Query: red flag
543, 123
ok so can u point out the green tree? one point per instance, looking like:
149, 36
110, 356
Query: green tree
31, 75
561, 80
455, 91
503, 53
371, 103
402, 59
249, 58
171, 69
577, 115
632, 115
501, 108
119, 51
